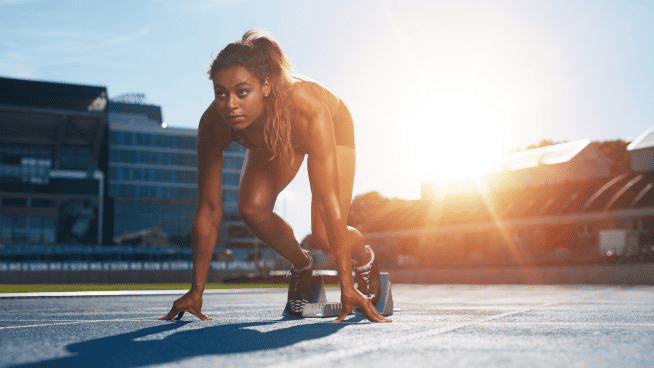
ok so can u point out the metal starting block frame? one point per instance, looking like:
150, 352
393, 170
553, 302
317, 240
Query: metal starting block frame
319, 307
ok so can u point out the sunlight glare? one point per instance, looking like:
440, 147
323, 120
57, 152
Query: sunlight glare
452, 132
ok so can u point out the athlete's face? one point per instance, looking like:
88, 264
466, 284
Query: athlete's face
239, 96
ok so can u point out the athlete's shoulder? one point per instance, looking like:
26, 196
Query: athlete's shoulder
213, 127
210, 115
309, 95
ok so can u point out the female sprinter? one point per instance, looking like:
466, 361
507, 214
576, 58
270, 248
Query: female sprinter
279, 118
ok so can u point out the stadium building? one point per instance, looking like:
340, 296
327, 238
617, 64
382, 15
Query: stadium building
76, 168
153, 178
52, 162
554, 204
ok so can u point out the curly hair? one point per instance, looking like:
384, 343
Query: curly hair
262, 56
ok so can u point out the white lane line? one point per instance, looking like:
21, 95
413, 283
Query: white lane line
599, 324
63, 311
71, 323
137, 292
321, 359
209, 312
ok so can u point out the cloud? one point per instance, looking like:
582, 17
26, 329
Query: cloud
56, 48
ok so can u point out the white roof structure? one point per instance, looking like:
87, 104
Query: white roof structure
645, 140
554, 154
641, 152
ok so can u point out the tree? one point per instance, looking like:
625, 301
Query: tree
308, 243
364, 206
543, 143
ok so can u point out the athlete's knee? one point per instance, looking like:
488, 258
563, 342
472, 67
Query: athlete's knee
253, 211
355, 236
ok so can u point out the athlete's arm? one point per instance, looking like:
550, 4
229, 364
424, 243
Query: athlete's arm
212, 140
315, 119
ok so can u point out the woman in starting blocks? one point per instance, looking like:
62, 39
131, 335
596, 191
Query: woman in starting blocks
280, 118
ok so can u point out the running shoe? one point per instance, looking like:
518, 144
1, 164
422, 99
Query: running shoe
299, 289
368, 279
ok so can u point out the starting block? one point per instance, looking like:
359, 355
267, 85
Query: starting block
318, 296
318, 307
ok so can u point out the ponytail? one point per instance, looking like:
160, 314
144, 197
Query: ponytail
262, 56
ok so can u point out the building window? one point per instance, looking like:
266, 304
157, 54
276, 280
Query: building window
20, 236
229, 196
42, 203
129, 156
231, 179
145, 191
48, 236
187, 142
187, 177
148, 157
128, 191
188, 193
75, 158
14, 202
181, 159
114, 137
140, 139
231, 162
164, 141
139, 174
167, 176
35, 236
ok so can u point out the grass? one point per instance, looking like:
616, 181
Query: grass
123, 287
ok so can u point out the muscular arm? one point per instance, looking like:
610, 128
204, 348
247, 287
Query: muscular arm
322, 166
211, 142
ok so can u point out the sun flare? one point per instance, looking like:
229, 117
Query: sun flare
452, 132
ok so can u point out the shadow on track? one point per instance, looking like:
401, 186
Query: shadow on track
144, 347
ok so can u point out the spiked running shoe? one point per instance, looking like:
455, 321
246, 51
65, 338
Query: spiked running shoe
368, 279
299, 289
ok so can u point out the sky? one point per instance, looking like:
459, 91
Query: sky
437, 89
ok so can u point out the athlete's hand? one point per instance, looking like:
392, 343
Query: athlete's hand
351, 300
189, 302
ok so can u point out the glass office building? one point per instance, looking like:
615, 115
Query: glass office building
152, 179
52, 162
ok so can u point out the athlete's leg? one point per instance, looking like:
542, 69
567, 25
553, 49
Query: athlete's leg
261, 181
346, 164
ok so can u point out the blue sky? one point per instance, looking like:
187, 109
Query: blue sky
436, 88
